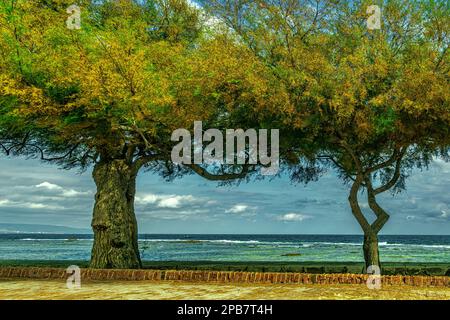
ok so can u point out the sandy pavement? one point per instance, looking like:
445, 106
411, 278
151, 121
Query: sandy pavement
57, 289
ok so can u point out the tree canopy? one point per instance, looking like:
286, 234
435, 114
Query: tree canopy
370, 103
111, 92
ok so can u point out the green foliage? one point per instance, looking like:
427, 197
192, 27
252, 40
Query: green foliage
145, 68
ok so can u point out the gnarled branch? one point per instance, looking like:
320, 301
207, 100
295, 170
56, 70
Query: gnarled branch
246, 169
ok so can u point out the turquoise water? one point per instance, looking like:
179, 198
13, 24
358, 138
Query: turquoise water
320, 248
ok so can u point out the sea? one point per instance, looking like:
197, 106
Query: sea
233, 248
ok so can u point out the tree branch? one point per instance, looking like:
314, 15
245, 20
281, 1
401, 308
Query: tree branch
219, 177
382, 216
353, 200
393, 180
398, 153
143, 160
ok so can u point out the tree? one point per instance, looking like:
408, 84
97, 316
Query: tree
99, 95
111, 93
388, 104
370, 103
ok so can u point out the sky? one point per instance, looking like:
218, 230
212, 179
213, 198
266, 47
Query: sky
32, 192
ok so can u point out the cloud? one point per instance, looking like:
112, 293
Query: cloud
49, 186
293, 217
38, 193
6, 203
62, 191
439, 212
195, 214
166, 201
147, 199
442, 166
238, 208
242, 210
175, 201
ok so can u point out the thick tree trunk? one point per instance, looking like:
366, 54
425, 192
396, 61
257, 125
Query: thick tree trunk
370, 248
114, 221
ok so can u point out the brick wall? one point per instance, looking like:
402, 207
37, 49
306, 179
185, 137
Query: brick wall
219, 276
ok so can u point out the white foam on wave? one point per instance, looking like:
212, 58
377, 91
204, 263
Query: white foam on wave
201, 240
234, 241
433, 246
336, 243
164, 240
65, 239
253, 242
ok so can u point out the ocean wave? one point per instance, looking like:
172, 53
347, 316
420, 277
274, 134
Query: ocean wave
333, 243
162, 240
433, 246
202, 240
262, 243
234, 241
384, 244
56, 239
252, 242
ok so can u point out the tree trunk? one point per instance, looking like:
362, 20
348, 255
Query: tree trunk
114, 221
370, 244
363, 178
370, 248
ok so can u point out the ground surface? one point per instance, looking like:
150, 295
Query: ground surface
54, 289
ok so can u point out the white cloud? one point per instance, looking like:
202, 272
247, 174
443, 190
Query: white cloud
175, 201
49, 186
73, 193
35, 205
166, 201
242, 210
291, 217
147, 199
238, 208
5, 203
68, 193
